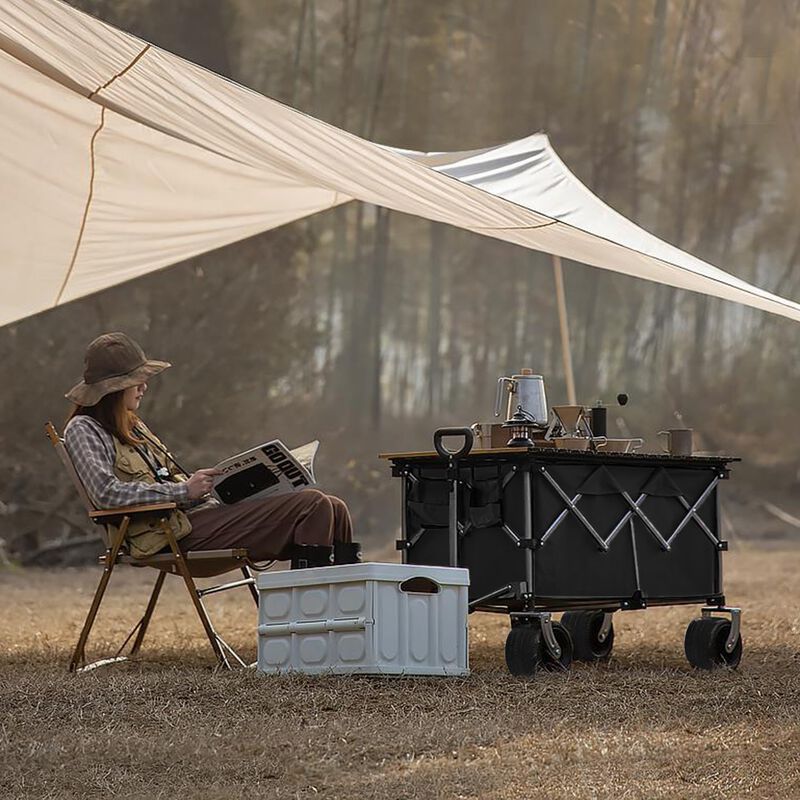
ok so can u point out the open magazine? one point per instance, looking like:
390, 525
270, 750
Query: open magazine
267, 470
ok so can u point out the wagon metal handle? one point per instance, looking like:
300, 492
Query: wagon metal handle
469, 438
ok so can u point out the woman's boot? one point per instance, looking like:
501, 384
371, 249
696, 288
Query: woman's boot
311, 555
346, 552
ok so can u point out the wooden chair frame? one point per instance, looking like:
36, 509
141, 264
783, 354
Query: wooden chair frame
199, 563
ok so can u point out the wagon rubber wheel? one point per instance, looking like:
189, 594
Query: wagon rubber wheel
564, 640
584, 627
704, 644
524, 650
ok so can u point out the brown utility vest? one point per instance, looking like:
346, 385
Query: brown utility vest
145, 536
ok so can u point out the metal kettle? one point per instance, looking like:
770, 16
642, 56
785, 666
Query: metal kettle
525, 390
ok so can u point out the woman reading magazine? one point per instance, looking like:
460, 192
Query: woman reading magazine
122, 463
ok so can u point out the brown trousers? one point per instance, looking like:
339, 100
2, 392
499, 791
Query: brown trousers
268, 528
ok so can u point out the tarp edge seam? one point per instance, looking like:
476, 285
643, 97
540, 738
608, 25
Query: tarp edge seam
89, 198
111, 80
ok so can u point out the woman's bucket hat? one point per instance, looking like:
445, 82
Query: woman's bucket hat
113, 362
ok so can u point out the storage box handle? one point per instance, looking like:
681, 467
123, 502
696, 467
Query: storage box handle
420, 585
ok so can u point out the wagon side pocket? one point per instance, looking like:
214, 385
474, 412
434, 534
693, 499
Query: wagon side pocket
485, 510
429, 515
429, 500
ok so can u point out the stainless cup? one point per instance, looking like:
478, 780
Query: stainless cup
679, 441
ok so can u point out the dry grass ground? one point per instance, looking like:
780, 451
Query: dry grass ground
642, 726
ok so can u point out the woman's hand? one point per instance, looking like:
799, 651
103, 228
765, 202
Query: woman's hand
201, 482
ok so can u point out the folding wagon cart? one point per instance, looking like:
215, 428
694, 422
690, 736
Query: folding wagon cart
586, 533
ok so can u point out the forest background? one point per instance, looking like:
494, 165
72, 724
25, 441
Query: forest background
367, 329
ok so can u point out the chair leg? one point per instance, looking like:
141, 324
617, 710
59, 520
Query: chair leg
78, 656
180, 563
148, 613
253, 591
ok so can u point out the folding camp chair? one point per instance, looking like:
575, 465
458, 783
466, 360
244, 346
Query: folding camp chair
196, 564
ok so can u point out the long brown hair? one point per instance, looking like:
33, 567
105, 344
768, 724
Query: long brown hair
111, 413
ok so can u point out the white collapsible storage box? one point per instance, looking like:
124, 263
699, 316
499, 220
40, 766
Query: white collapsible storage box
396, 619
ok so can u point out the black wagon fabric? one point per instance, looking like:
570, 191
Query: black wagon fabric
429, 515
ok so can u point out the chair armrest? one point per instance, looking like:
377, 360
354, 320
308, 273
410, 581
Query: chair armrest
127, 511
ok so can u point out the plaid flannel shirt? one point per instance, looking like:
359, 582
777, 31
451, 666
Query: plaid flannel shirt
92, 451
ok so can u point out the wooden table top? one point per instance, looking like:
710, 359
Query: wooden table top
551, 453
474, 452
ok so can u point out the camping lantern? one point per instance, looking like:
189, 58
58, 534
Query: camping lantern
522, 426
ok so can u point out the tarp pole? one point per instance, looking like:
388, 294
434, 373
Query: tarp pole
563, 322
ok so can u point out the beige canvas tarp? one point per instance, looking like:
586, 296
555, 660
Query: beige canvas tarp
118, 159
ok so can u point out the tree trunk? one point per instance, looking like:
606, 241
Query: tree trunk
377, 282
435, 315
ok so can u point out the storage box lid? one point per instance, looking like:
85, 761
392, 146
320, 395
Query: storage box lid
368, 571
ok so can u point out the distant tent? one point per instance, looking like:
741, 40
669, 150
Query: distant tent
118, 159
